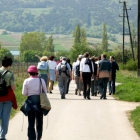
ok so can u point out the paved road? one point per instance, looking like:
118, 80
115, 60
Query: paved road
79, 119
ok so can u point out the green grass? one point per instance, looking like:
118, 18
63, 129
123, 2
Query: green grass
19, 97
135, 119
129, 90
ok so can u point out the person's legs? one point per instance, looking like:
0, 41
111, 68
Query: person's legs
85, 84
92, 88
65, 81
100, 83
5, 110
95, 86
110, 87
68, 83
50, 86
88, 85
77, 84
113, 84
31, 126
105, 81
39, 125
61, 86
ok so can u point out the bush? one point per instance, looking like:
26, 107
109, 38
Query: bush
131, 65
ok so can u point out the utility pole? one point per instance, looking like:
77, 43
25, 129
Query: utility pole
138, 39
129, 31
123, 30
126, 12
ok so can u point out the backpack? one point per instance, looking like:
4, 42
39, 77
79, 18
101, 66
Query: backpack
3, 86
77, 72
88, 62
63, 70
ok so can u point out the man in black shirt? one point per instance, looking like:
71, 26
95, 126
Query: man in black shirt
114, 67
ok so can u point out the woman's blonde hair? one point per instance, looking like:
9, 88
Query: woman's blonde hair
44, 58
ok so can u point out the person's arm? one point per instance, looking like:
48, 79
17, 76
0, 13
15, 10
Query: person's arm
38, 56
69, 69
92, 69
12, 82
57, 72
24, 89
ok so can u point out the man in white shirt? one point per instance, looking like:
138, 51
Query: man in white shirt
86, 74
62, 71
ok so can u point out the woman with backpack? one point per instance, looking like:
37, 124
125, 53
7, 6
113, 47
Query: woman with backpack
43, 69
7, 96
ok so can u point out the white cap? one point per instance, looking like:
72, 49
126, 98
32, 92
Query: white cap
80, 56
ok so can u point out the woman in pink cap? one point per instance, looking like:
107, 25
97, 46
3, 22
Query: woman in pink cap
31, 89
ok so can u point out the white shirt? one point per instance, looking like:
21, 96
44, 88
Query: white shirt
52, 65
31, 86
85, 67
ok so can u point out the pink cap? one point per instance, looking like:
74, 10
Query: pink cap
32, 69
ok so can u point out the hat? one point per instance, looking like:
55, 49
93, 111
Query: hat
80, 56
44, 58
60, 57
32, 69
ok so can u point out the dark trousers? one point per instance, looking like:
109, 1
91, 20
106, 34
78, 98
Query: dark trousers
32, 118
103, 86
111, 85
87, 83
68, 83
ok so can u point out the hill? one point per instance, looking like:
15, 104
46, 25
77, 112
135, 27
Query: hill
61, 16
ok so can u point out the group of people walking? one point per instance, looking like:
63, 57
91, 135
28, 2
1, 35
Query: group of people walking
92, 75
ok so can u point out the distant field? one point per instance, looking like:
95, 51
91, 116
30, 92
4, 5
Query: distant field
36, 11
11, 41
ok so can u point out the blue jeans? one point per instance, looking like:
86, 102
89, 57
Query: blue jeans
111, 85
5, 110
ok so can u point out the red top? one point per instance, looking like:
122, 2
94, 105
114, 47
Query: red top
10, 97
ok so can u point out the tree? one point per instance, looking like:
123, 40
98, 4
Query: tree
104, 38
134, 34
5, 52
32, 41
77, 34
80, 43
50, 46
29, 56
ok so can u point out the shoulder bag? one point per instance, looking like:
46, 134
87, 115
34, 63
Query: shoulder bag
44, 101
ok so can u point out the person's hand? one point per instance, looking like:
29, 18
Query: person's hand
110, 79
97, 77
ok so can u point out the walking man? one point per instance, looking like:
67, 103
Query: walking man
114, 67
104, 75
86, 74
76, 76
63, 71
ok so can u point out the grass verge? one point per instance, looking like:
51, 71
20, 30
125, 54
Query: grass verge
129, 89
19, 97
135, 119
